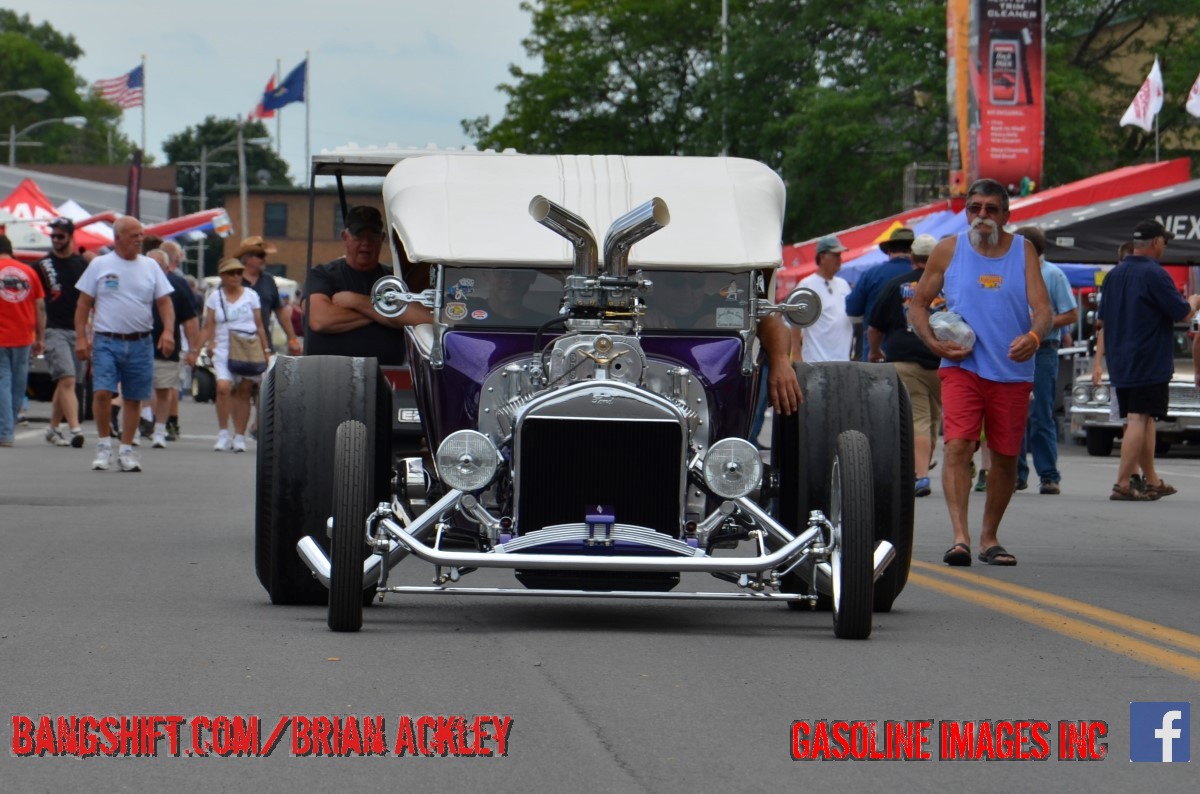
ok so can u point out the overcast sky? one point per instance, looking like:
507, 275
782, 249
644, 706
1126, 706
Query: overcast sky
380, 71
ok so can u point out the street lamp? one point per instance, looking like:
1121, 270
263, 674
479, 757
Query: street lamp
240, 143
78, 122
32, 94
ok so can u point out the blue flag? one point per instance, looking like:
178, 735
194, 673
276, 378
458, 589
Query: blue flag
289, 91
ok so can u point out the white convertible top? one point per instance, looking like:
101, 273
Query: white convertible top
726, 213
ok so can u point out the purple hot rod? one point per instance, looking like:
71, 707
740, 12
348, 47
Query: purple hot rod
586, 405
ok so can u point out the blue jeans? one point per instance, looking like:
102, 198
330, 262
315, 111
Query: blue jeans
1041, 433
128, 364
14, 372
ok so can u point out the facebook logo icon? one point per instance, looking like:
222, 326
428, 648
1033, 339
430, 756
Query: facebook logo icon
1160, 732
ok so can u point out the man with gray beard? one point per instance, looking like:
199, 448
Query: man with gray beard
993, 280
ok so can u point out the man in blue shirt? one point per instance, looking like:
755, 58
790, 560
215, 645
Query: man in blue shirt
1041, 432
861, 300
1140, 308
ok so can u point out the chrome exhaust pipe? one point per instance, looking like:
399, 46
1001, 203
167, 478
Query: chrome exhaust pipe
885, 553
637, 224
567, 224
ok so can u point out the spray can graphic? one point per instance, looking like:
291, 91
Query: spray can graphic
1003, 58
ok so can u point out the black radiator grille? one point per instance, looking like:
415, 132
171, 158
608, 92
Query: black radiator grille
567, 465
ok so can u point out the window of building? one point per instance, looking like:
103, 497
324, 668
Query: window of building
275, 219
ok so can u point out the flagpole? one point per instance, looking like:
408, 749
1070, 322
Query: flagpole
143, 104
307, 118
1156, 137
278, 113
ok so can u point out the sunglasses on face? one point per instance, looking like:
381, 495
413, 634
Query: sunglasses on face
984, 209
58, 237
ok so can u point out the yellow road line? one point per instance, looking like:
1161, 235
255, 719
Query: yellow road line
1126, 623
1138, 650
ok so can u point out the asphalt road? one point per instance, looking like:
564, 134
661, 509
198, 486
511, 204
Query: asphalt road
135, 594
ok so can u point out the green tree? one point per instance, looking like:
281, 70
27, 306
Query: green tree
837, 95
214, 133
43, 35
28, 62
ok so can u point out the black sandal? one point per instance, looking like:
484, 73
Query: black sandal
958, 555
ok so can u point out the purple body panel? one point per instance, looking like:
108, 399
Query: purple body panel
449, 398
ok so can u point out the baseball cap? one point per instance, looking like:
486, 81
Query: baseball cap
830, 242
1148, 230
255, 245
363, 218
924, 245
229, 264
901, 237
66, 224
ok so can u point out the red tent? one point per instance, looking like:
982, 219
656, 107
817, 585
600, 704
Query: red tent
28, 203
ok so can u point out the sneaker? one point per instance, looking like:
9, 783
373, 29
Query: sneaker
128, 461
1160, 490
103, 457
1022, 485
981, 483
23, 420
1049, 487
160, 441
923, 488
239, 443
55, 438
145, 428
77, 439
1127, 494
172, 434
223, 443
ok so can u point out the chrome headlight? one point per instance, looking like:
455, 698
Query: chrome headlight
1081, 393
1100, 394
467, 460
732, 468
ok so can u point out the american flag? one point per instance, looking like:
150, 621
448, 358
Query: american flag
124, 91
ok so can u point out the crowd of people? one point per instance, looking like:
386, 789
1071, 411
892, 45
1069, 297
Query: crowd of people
995, 396
130, 317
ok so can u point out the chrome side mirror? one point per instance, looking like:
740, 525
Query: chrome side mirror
802, 307
390, 297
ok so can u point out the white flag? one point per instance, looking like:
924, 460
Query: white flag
1147, 103
1193, 100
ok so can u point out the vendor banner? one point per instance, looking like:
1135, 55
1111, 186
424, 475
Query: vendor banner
996, 87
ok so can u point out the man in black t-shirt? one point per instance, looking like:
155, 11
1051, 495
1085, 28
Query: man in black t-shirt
890, 339
166, 368
340, 318
59, 272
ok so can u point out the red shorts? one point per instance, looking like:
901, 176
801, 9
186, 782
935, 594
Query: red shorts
970, 403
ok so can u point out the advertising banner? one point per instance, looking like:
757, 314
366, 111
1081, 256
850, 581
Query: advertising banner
997, 97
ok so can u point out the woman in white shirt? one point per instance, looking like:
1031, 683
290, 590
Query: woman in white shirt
232, 307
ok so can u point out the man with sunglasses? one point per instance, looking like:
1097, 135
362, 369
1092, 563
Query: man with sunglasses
1140, 308
993, 279
253, 254
59, 273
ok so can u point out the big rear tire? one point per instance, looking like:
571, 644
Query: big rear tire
351, 506
302, 403
1099, 442
851, 512
841, 396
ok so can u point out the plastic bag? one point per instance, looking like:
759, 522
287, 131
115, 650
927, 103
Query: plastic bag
950, 327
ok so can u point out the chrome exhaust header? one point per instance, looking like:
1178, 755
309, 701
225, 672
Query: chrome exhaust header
637, 224
565, 223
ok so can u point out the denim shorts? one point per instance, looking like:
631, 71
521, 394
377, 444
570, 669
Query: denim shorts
129, 363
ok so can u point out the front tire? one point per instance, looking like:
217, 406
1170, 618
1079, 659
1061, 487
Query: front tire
852, 510
351, 506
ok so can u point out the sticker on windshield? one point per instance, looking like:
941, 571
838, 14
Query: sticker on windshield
731, 293
456, 311
479, 314
730, 316
461, 289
